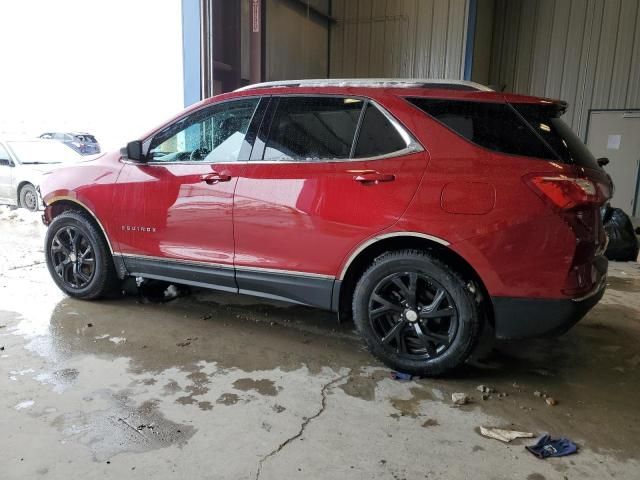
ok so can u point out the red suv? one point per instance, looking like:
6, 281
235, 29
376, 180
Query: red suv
421, 209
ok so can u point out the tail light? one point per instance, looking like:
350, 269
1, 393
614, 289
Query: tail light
568, 192
576, 198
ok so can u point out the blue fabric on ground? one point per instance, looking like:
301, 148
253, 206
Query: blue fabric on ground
552, 447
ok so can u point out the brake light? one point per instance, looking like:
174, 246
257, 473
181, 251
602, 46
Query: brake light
566, 192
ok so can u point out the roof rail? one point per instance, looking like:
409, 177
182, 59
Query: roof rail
373, 83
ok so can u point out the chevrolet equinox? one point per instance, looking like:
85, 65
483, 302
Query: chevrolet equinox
422, 209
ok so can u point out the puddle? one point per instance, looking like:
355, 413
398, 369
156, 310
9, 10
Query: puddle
263, 387
624, 284
122, 428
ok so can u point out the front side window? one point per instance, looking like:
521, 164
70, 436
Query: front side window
214, 134
495, 126
313, 128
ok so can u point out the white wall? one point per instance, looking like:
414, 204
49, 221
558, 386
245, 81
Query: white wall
110, 68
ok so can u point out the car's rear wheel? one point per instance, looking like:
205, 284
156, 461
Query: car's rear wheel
78, 257
28, 197
416, 314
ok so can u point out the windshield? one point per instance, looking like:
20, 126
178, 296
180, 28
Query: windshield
43, 152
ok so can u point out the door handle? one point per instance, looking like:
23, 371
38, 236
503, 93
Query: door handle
214, 177
374, 177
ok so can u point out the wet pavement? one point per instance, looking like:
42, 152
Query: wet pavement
220, 386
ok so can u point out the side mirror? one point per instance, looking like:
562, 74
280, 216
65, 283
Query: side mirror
5, 162
134, 151
603, 161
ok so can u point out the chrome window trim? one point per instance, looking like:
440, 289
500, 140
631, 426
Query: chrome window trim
384, 236
412, 145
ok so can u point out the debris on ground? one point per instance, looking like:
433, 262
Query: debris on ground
550, 447
485, 389
459, 398
171, 292
89, 325
155, 291
186, 342
403, 377
503, 435
552, 402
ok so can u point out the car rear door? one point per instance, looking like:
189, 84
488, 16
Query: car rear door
175, 209
326, 174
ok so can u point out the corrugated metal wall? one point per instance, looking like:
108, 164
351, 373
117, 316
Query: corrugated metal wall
586, 52
297, 41
398, 38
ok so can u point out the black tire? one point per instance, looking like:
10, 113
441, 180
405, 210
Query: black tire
80, 277
429, 338
28, 198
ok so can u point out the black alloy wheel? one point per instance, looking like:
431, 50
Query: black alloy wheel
72, 257
413, 314
78, 257
416, 313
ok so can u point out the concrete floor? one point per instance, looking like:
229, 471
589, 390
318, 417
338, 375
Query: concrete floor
229, 387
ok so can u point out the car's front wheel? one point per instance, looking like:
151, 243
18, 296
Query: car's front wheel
28, 197
78, 257
416, 314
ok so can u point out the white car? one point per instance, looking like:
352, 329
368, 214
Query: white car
22, 164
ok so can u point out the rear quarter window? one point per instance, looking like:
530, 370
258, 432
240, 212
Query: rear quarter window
495, 126
377, 135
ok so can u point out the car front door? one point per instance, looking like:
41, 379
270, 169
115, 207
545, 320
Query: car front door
6, 176
175, 209
326, 174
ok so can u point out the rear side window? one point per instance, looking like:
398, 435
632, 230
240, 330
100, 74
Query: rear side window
313, 128
546, 122
377, 135
495, 126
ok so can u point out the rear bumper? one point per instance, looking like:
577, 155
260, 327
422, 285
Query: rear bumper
537, 317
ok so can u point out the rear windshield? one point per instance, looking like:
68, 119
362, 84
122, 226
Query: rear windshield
566, 144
